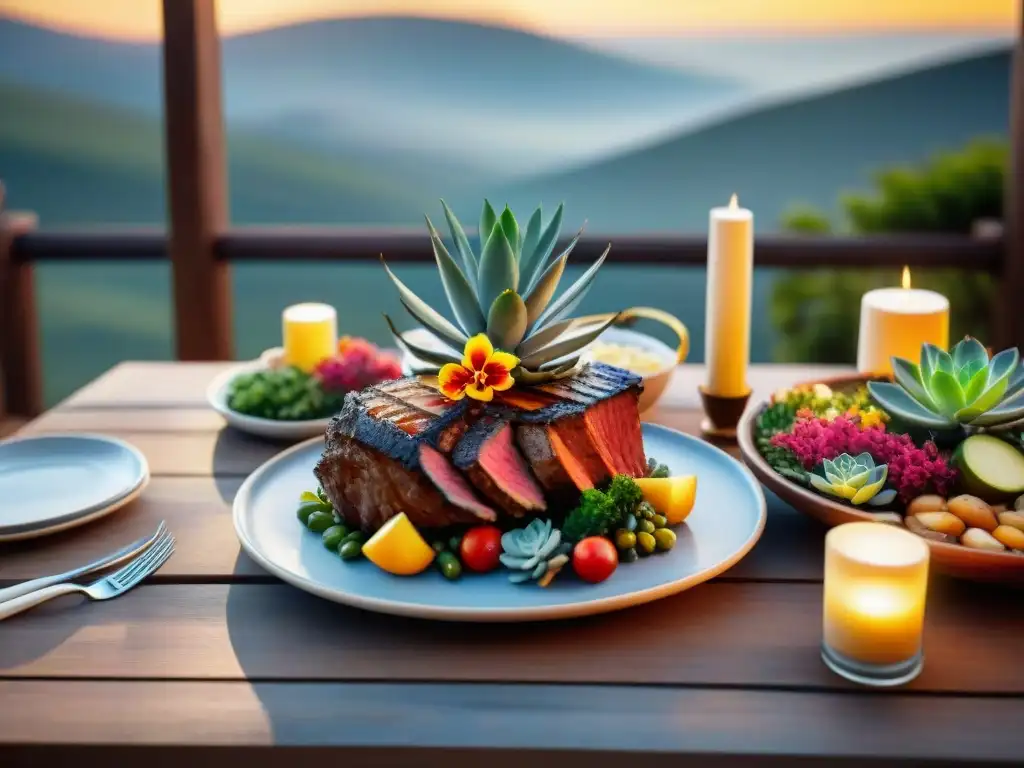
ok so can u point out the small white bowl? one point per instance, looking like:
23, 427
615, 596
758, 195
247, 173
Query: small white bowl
273, 429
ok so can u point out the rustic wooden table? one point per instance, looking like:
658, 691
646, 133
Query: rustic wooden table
213, 659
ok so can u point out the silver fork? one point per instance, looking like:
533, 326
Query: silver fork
106, 588
108, 561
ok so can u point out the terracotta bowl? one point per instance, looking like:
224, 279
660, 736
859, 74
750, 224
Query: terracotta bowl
951, 559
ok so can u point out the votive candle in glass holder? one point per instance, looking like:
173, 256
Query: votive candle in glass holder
876, 581
310, 334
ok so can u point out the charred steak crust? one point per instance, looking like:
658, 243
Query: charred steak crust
371, 466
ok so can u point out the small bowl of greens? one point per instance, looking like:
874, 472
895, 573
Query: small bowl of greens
267, 398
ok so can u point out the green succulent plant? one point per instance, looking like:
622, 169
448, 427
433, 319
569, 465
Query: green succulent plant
534, 551
508, 292
962, 387
856, 479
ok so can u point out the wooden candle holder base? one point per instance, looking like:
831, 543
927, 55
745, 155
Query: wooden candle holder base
722, 415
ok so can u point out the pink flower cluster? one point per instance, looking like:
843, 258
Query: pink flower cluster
912, 470
358, 364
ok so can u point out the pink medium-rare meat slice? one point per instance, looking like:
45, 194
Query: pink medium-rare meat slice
561, 430
452, 484
534, 442
614, 429
489, 458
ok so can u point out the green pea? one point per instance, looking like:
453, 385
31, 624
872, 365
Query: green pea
332, 536
320, 521
631, 523
660, 521
449, 565
645, 526
350, 550
645, 543
665, 538
307, 508
454, 543
628, 556
625, 539
356, 536
438, 546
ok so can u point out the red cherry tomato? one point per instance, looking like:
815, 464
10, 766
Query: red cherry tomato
480, 548
594, 559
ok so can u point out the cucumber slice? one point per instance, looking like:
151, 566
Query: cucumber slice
990, 468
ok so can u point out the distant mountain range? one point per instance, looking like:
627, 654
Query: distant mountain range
109, 167
465, 96
802, 150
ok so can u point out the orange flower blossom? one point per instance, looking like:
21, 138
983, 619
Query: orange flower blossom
484, 370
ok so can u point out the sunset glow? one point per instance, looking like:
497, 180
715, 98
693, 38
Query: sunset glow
140, 19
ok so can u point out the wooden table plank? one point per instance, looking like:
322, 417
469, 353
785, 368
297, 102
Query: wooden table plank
198, 510
171, 384
500, 725
753, 635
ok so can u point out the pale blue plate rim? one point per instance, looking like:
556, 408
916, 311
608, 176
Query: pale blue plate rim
91, 511
558, 611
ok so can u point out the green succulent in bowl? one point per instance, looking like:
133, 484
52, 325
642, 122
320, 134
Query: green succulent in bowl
856, 479
963, 387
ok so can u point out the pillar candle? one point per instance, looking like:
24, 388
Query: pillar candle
729, 285
896, 322
310, 334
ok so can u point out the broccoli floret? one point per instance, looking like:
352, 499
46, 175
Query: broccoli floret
625, 494
595, 514
600, 512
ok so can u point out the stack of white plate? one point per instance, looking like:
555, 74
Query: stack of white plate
49, 483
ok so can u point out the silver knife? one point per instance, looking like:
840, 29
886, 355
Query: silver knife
110, 560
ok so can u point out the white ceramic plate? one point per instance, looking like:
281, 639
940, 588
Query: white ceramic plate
50, 483
217, 396
726, 522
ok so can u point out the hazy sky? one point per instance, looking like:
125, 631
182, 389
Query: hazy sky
140, 19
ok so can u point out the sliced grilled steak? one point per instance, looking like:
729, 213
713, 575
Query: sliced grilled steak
388, 450
566, 445
370, 468
489, 457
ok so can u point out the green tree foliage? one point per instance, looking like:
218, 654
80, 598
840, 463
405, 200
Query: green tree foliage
817, 311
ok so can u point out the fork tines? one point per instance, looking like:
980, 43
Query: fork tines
146, 563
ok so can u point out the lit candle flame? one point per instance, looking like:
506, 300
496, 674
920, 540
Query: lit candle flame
734, 203
906, 278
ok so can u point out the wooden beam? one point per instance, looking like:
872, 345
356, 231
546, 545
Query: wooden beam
197, 184
1009, 318
21, 373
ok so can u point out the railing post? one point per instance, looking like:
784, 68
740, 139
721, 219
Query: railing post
197, 187
1010, 330
21, 374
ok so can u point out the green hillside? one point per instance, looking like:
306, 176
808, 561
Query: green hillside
78, 163
805, 150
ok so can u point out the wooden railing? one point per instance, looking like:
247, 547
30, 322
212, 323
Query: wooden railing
201, 246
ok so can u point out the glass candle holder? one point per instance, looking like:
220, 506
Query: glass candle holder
876, 581
310, 333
